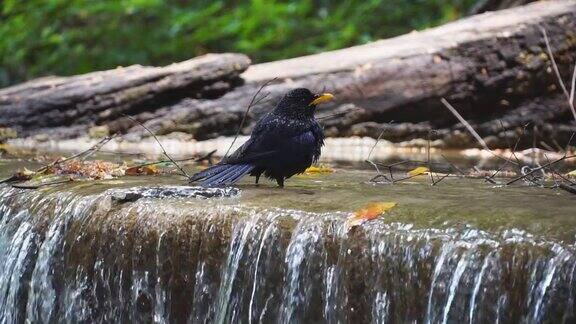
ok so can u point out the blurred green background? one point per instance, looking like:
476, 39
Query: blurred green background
64, 37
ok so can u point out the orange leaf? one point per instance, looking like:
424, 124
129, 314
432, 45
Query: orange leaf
139, 170
369, 212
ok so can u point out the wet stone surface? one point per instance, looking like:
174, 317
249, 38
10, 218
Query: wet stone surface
142, 249
163, 192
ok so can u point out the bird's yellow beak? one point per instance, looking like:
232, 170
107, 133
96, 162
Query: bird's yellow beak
325, 97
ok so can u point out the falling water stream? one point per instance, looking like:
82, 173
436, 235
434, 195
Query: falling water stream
119, 251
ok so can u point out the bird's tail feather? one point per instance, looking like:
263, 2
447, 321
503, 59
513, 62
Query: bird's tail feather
222, 174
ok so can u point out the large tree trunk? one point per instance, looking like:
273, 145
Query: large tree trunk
492, 67
71, 104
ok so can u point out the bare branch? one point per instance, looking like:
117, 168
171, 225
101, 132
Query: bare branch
160, 144
23, 186
569, 143
374, 145
540, 168
338, 113
465, 123
442, 178
194, 159
375, 165
453, 165
569, 96
573, 86
252, 103
512, 154
470, 129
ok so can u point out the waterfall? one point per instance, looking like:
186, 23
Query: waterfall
77, 255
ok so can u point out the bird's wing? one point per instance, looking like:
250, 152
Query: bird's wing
248, 152
258, 145
318, 134
267, 136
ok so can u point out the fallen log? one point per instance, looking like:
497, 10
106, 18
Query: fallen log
493, 67
97, 98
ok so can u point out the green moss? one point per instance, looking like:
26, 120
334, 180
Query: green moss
63, 37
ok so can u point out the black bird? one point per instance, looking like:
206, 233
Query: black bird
283, 143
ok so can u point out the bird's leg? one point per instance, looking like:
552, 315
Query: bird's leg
257, 178
280, 181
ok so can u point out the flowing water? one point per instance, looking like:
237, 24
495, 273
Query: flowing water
121, 251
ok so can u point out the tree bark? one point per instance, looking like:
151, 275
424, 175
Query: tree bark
77, 102
494, 68
492, 5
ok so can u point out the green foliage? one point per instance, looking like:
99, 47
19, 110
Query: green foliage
42, 37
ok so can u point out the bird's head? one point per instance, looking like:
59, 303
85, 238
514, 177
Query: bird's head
301, 102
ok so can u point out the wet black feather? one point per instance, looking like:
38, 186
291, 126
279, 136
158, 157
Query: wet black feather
283, 143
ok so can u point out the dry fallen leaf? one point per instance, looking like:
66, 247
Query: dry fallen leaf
418, 171
369, 212
139, 170
89, 169
23, 175
572, 173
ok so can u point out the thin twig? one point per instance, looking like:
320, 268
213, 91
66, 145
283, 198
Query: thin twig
369, 160
338, 113
469, 128
517, 140
563, 177
453, 165
428, 159
569, 143
513, 154
573, 86
266, 95
540, 168
492, 181
160, 144
120, 153
552, 170
569, 96
247, 111
374, 145
438, 181
381, 176
465, 123
194, 159
406, 178
94, 148
554, 65
22, 186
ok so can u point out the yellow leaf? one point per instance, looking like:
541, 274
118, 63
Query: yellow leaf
572, 173
27, 172
418, 171
369, 212
320, 169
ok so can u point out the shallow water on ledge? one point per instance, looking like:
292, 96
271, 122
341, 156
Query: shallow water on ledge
460, 251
